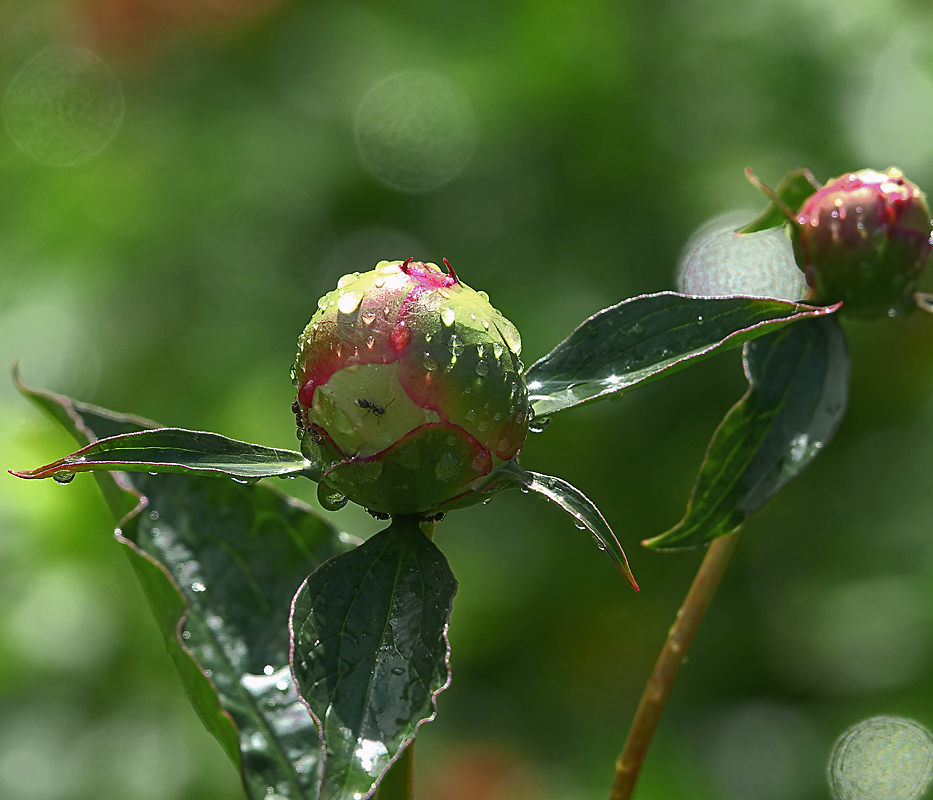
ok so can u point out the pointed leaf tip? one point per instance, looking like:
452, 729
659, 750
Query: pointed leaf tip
580, 507
177, 450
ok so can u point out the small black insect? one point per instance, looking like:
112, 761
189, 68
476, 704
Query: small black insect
369, 405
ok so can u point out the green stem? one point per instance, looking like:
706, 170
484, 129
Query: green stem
396, 784
668, 664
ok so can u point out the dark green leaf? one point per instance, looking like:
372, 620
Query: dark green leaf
370, 651
640, 339
798, 388
177, 450
795, 187
579, 506
219, 563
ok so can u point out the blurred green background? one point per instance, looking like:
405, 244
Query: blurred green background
164, 238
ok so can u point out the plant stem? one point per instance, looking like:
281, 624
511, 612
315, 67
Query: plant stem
668, 664
396, 784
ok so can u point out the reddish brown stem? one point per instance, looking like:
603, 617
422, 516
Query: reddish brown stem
668, 664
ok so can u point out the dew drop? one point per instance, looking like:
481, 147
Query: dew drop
63, 477
447, 468
400, 336
349, 301
700, 320
369, 317
455, 345
347, 279
512, 338
483, 425
482, 368
322, 302
471, 414
268, 669
497, 350
429, 362
398, 671
379, 282
370, 342
198, 587
448, 315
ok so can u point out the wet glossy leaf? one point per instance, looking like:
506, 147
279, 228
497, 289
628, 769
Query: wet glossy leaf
798, 389
579, 506
177, 450
370, 651
219, 563
640, 339
795, 187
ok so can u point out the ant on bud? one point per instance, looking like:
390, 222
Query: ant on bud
377, 410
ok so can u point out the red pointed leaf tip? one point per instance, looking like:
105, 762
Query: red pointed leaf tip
409, 388
450, 271
864, 239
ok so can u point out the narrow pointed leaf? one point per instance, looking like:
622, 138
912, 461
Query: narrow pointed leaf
177, 450
370, 652
795, 187
798, 389
640, 339
219, 563
579, 506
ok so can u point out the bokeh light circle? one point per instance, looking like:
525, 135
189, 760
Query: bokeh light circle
64, 106
415, 131
718, 261
882, 758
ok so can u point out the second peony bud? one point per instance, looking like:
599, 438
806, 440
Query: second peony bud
864, 239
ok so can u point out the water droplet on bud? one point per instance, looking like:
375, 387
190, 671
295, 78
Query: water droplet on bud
448, 315
63, 477
400, 336
349, 301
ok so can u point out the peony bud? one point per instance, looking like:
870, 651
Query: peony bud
410, 389
864, 238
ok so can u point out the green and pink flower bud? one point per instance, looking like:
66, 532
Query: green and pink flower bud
410, 389
864, 239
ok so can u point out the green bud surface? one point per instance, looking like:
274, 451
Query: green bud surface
410, 389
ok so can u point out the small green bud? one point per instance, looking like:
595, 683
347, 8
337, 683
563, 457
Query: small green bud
410, 389
864, 239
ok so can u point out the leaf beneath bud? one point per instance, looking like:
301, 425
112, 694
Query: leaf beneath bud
798, 389
370, 651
